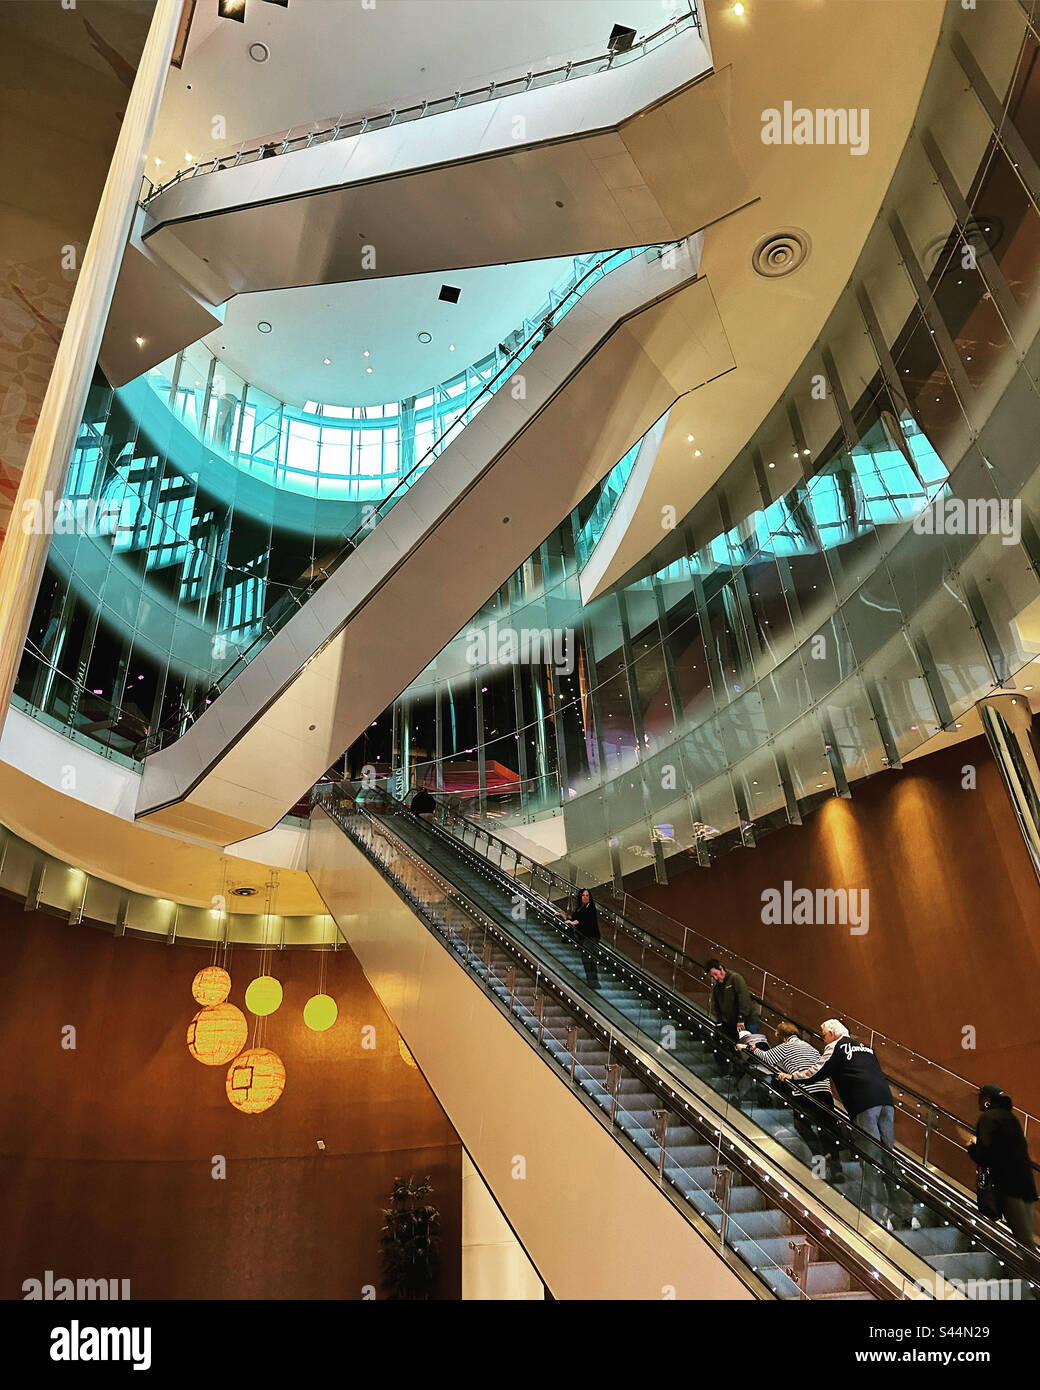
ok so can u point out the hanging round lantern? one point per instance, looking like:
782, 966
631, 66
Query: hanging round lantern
406, 1056
211, 986
263, 995
255, 1080
217, 1034
320, 1012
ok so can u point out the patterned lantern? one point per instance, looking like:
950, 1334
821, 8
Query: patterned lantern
217, 1034
320, 1012
255, 1080
406, 1056
263, 995
211, 986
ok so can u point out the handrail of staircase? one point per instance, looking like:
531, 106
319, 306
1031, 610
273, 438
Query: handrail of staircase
611, 909
283, 142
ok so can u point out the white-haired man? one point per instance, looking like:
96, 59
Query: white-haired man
864, 1091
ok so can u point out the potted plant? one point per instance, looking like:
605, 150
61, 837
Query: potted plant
410, 1240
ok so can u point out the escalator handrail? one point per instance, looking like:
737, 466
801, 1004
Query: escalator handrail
681, 956
353, 541
918, 1178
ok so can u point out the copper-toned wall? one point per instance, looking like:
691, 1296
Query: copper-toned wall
107, 1150
954, 930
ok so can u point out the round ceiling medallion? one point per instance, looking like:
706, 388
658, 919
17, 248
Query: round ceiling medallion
781, 252
259, 52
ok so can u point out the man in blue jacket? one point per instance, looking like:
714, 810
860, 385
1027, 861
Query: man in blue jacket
864, 1091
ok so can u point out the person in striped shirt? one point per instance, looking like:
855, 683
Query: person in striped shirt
791, 1054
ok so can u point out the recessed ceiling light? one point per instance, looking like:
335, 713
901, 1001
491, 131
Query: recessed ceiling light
696, 453
188, 156
158, 160
423, 337
368, 369
263, 326
139, 342
1028, 687
259, 52
772, 465
805, 451
327, 361
451, 347
738, 9
689, 439
366, 353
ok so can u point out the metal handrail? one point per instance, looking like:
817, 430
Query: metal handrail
922, 1179
594, 272
287, 141
572, 890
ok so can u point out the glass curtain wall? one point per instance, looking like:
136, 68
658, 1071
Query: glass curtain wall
811, 621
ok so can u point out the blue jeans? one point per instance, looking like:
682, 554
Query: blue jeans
885, 1195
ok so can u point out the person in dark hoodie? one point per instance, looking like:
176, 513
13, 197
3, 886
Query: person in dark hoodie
1000, 1146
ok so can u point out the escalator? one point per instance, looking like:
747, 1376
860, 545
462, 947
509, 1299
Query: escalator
446, 536
917, 1225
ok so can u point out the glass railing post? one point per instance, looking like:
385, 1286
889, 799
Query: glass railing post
661, 1135
613, 1071
720, 1193
572, 1046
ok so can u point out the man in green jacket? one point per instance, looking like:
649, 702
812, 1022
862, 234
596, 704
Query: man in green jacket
730, 1002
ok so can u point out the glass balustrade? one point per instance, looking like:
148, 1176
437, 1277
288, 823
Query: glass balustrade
344, 127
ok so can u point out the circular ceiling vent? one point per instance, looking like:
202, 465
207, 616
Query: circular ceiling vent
425, 337
781, 252
243, 892
259, 52
263, 326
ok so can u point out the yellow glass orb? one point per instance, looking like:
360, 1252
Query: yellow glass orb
406, 1056
263, 995
255, 1080
320, 1012
217, 1034
211, 986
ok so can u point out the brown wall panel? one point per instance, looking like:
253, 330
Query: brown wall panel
105, 1151
954, 936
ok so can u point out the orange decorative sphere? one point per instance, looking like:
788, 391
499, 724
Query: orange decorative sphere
255, 1080
406, 1056
217, 1034
211, 986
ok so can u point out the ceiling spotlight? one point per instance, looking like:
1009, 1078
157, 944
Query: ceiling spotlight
259, 52
139, 342
738, 9
232, 9
805, 451
263, 326
327, 361
369, 370
772, 465
451, 347
188, 156
158, 161
696, 453
366, 353
423, 338
689, 439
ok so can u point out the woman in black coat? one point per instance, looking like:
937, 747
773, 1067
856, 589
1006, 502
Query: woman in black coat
1000, 1146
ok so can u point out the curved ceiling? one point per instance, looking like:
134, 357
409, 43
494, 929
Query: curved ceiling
383, 318
336, 57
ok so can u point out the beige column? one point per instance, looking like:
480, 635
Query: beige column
495, 1266
23, 553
